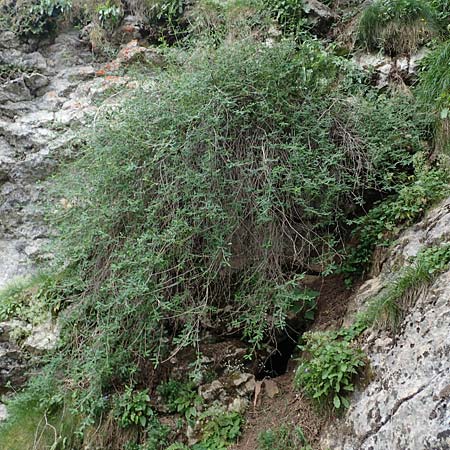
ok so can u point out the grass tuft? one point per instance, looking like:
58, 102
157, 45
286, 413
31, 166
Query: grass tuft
397, 26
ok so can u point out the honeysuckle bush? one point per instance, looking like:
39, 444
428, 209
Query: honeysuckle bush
198, 203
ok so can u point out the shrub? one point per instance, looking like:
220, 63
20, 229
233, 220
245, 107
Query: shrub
396, 26
327, 374
247, 168
34, 17
283, 438
109, 15
387, 218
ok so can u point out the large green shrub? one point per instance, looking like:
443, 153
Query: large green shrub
397, 26
199, 201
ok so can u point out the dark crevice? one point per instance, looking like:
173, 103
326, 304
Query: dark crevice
276, 363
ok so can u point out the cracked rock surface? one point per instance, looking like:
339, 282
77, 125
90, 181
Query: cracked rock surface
52, 91
406, 406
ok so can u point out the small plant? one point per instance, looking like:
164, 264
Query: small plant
283, 438
132, 408
288, 13
396, 26
180, 398
328, 372
33, 299
220, 431
386, 219
109, 15
36, 17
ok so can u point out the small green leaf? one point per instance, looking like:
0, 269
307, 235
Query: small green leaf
337, 402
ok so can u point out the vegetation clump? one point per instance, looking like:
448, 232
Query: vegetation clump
328, 371
397, 26
384, 221
283, 438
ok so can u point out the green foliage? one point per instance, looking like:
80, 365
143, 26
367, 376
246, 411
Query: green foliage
154, 13
133, 408
181, 398
39, 418
385, 220
212, 22
390, 306
12, 71
35, 298
288, 13
397, 26
442, 8
249, 163
220, 430
434, 86
283, 438
109, 14
35, 17
327, 374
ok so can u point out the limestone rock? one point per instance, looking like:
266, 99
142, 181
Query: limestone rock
321, 15
407, 403
42, 338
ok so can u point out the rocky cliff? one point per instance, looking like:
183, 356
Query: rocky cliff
406, 404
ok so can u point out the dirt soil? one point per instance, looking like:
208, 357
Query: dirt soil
289, 406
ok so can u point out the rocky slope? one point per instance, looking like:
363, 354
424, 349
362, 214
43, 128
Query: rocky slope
407, 403
48, 91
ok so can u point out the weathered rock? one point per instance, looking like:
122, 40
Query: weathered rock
211, 391
387, 69
407, 403
11, 330
321, 16
12, 366
35, 81
42, 338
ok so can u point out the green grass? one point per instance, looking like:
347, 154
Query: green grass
397, 26
434, 86
393, 303
284, 437
39, 419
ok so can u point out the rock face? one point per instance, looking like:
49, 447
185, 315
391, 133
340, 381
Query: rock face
407, 404
50, 92
33, 104
39, 108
